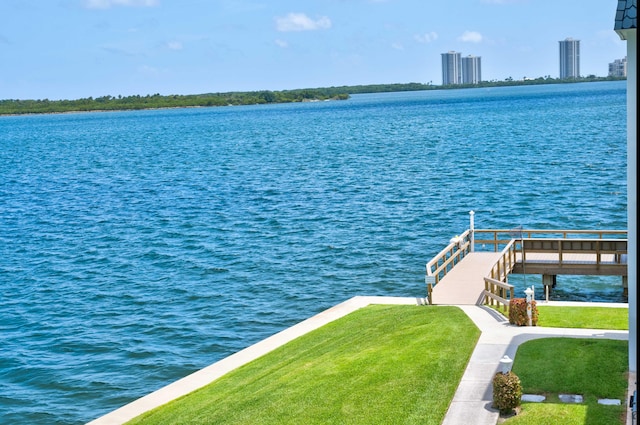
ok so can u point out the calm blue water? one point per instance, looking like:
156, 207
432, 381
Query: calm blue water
138, 247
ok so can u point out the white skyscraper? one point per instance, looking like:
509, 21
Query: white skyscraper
569, 58
471, 70
451, 68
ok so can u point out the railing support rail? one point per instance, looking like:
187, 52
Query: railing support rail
497, 238
446, 259
520, 242
495, 285
495, 290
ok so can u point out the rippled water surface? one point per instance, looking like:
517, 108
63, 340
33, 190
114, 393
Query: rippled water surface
138, 247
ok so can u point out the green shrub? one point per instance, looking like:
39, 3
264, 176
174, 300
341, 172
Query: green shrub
518, 312
507, 392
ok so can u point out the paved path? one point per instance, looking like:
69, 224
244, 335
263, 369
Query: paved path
472, 401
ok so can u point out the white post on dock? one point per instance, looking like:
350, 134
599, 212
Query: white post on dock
471, 235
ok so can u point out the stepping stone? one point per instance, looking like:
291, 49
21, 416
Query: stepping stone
570, 398
609, 401
533, 398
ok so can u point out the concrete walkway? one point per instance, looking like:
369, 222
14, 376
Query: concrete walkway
472, 401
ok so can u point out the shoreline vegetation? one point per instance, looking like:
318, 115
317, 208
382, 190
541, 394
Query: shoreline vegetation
157, 101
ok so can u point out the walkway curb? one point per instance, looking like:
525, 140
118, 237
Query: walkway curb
472, 400
210, 373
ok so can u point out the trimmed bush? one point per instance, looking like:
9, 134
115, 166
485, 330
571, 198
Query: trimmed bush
507, 392
518, 312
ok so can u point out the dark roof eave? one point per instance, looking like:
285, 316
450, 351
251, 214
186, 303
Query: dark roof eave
626, 17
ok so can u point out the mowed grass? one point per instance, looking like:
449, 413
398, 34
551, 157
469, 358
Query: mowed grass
550, 316
593, 368
583, 317
379, 365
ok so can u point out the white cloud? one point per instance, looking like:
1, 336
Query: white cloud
301, 22
174, 45
282, 43
397, 46
106, 4
471, 37
426, 38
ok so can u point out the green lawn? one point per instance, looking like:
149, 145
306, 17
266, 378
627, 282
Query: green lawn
583, 317
402, 364
592, 368
378, 365
551, 316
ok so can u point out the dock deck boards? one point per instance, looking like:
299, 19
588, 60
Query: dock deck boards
464, 284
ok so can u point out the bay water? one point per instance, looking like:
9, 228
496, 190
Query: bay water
138, 247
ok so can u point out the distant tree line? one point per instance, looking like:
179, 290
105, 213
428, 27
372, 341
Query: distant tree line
157, 101
380, 88
509, 81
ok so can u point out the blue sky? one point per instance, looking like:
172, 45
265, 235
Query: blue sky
68, 49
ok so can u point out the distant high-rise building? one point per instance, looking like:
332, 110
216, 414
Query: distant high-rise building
451, 68
618, 68
471, 70
569, 58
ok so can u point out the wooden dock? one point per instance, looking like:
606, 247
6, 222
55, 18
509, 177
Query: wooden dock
464, 284
461, 275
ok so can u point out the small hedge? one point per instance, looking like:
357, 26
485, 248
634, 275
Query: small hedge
518, 312
507, 392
